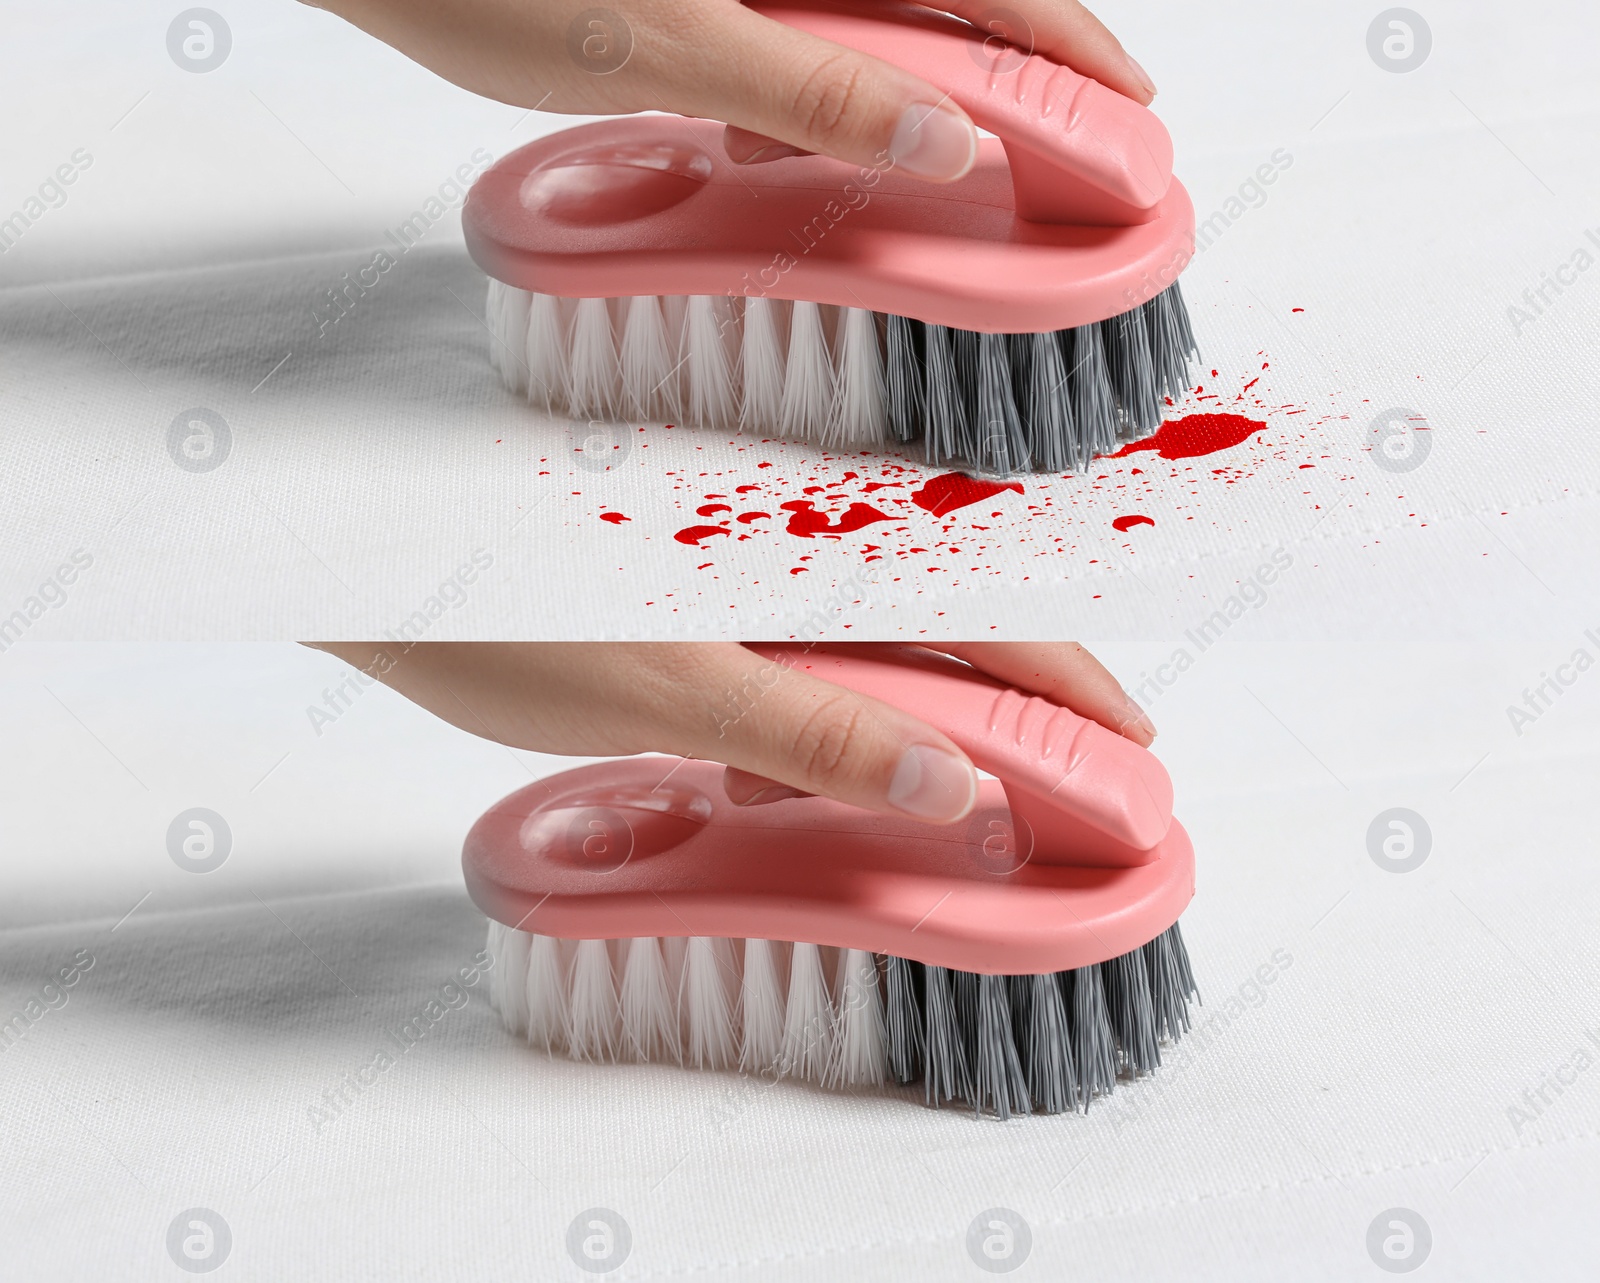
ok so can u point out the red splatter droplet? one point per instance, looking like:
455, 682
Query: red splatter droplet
806, 521
615, 518
694, 534
1195, 435
951, 490
1133, 519
745, 518
711, 509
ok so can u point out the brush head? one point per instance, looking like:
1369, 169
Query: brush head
858, 308
637, 914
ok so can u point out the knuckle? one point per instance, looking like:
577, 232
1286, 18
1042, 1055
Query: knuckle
828, 743
827, 98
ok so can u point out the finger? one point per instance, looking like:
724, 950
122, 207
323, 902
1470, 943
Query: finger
746, 789
747, 148
765, 78
1065, 32
767, 720
1063, 673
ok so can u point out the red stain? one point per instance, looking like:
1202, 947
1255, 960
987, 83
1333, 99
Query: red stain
951, 490
711, 509
615, 518
694, 534
806, 521
1133, 519
1195, 435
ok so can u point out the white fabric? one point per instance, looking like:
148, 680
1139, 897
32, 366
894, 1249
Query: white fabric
1375, 1070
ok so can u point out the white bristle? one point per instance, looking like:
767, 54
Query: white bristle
808, 380
649, 376
808, 1022
592, 370
713, 399
495, 948
860, 1049
494, 316
762, 360
512, 960
859, 414
546, 992
649, 1015
547, 353
593, 1013
713, 1042
761, 1005
508, 330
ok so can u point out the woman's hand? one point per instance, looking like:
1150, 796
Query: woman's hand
802, 735
781, 91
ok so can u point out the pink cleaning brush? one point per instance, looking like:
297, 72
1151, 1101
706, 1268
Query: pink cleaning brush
1026, 316
1019, 962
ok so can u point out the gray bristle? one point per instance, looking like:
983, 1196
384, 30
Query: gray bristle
965, 984
903, 1019
1133, 1019
1047, 1049
1051, 400
1167, 998
1046, 1043
1133, 380
945, 1074
964, 345
999, 445
945, 417
1092, 406
1171, 343
1046, 398
1093, 1046
903, 384
1180, 954
1002, 1090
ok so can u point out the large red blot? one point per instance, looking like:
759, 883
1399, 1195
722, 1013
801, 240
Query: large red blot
808, 521
694, 534
1133, 519
951, 490
1195, 435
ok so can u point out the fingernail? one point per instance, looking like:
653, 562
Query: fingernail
932, 784
1137, 718
934, 142
772, 151
1141, 75
772, 793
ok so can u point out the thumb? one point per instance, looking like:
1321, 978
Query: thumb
815, 737
778, 83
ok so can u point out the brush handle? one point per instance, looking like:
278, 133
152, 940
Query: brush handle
1079, 152
1088, 795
